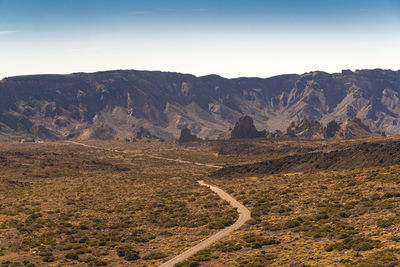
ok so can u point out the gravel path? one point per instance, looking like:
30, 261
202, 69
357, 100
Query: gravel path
244, 216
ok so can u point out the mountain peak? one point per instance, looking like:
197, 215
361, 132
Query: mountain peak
122, 101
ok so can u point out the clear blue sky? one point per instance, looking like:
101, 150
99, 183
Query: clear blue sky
231, 38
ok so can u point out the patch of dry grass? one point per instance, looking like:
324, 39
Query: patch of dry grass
65, 204
319, 218
61, 203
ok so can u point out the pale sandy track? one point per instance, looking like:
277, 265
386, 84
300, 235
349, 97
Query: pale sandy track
148, 155
244, 213
244, 216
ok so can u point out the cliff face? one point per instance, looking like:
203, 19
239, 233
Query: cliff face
60, 106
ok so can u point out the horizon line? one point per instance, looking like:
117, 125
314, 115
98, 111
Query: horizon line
185, 73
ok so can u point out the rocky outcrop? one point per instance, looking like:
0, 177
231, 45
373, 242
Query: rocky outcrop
144, 133
244, 129
305, 129
64, 106
351, 128
354, 128
331, 129
277, 134
187, 136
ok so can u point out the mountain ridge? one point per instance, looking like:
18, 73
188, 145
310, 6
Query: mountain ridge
57, 106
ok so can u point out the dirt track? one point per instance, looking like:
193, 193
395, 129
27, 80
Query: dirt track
244, 213
150, 156
244, 216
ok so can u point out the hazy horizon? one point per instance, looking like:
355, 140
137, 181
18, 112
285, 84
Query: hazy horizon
228, 38
186, 73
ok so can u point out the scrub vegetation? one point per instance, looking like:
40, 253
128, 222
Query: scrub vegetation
65, 204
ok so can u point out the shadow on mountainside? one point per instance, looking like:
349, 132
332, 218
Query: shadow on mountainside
362, 155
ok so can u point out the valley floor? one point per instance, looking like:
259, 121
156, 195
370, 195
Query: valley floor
66, 204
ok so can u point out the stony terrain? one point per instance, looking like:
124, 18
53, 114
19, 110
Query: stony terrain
115, 104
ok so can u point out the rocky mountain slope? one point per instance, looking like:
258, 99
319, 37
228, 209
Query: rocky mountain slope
120, 102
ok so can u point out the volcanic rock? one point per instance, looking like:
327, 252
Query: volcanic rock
165, 102
331, 129
144, 133
305, 129
244, 129
354, 128
187, 136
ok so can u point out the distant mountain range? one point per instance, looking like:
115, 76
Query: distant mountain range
116, 104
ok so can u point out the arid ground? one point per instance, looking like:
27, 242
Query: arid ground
64, 204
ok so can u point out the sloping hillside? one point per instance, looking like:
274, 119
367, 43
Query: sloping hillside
359, 156
60, 106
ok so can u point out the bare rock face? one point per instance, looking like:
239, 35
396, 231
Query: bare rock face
305, 129
244, 129
331, 129
62, 106
351, 128
144, 133
187, 136
97, 133
354, 128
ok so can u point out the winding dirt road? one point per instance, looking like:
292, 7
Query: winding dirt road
244, 213
244, 216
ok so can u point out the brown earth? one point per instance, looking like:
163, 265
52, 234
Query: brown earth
382, 153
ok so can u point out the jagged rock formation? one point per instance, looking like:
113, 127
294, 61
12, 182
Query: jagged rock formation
351, 128
331, 129
305, 129
187, 136
61, 106
243, 129
144, 133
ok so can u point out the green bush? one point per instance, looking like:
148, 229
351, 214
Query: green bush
256, 241
379, 259
72, 256
93, 261
292, 223
260, 260
155, 256
384, 223
357, 244
228, 246
128, 253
